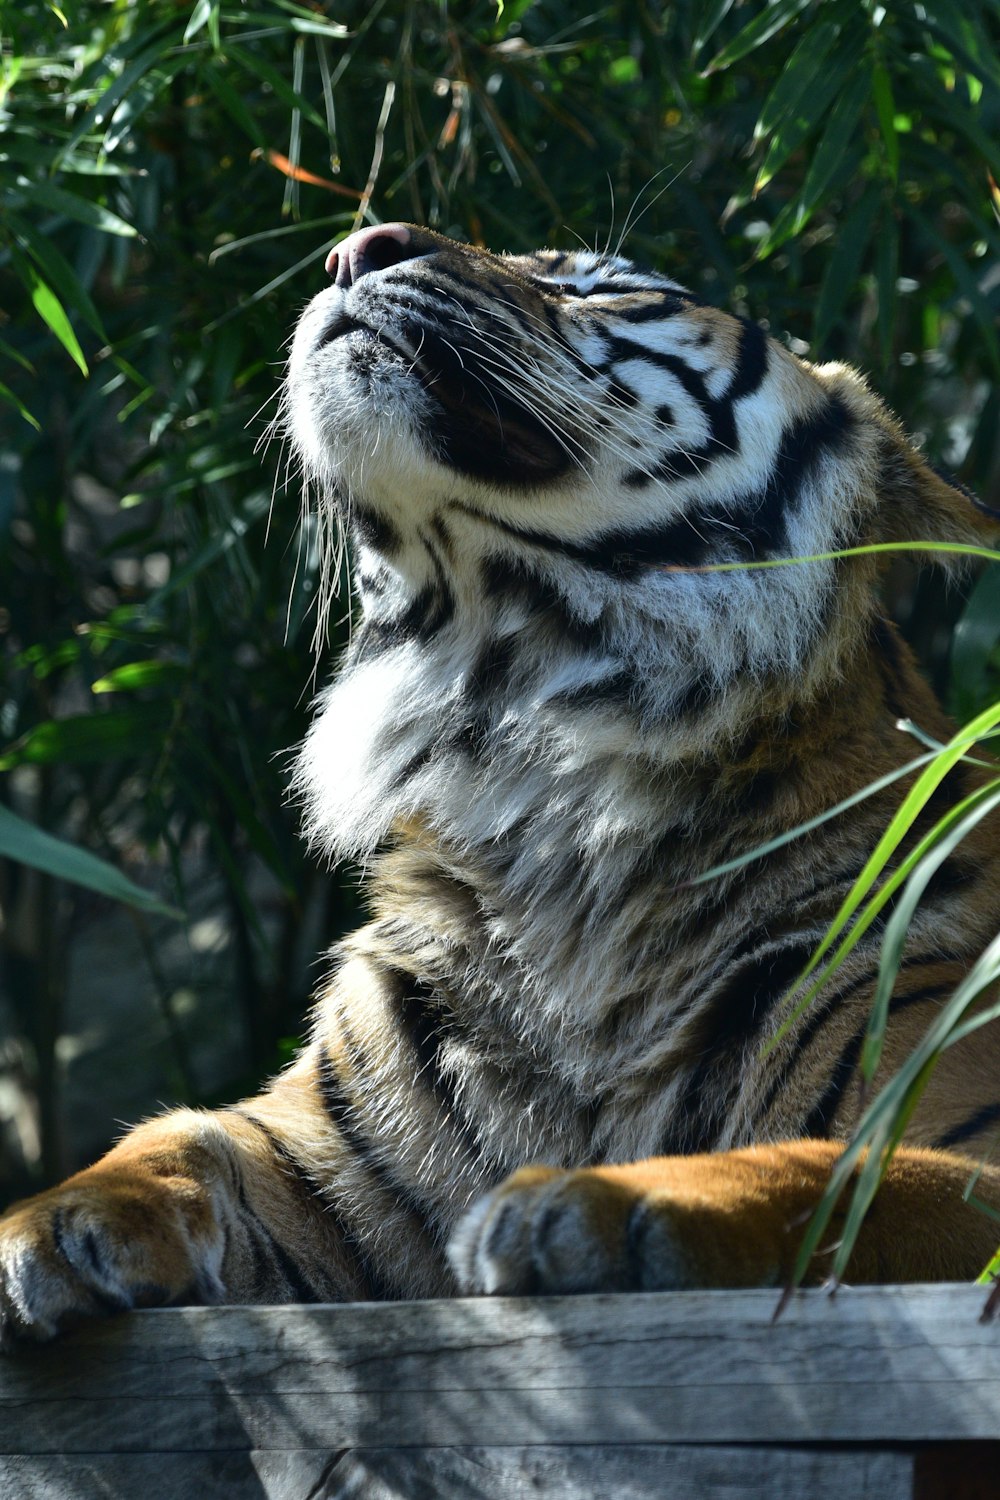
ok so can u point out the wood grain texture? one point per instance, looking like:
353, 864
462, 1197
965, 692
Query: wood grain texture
872, 1364
632, 1473
481, 1473
177, 1476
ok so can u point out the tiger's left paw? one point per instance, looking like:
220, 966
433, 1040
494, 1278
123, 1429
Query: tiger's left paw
546, 1232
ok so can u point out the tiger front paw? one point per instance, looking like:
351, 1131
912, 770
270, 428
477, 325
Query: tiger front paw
546, 1232
102, 1243
669, 1223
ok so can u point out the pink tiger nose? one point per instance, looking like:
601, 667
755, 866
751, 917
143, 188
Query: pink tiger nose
366, 250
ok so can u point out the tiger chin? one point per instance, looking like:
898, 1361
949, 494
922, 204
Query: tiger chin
551, 1061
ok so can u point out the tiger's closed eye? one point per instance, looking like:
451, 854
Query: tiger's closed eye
564, 288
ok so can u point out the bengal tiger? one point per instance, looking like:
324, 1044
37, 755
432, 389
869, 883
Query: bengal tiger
551, 718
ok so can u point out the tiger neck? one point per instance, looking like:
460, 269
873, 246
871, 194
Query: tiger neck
485, 689
552, 896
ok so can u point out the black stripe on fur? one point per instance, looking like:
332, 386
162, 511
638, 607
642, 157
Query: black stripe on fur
372, 1286
345, 1117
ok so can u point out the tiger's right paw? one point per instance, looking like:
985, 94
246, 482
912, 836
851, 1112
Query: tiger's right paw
104, 1242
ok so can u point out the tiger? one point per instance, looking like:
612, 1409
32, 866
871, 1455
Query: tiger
554, 1060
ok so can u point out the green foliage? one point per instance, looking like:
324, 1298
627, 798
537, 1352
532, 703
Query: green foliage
20, 840
171, 178
884, 1121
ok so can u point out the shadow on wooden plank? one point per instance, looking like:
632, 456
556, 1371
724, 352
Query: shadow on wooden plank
470, 1473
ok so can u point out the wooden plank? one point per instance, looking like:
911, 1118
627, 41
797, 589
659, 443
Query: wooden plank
480, 1473
176, 1476
634, 1473
880, 1364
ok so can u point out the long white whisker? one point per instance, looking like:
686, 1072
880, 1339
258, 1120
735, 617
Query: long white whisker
542, 393
535, 394
630, 223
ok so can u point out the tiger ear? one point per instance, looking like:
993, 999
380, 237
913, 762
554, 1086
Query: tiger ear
911, 500
917, 502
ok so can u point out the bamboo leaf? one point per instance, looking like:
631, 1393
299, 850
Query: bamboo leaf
796, 77
50, 309
301, 22
761, 29
19, 149
886, 272
885, 108
965, 39
9, 352
134, 675
251, 63
30, 845
968, 286
234, 105
257, 833
253, 510
44, 195
99, 114
938, 104
710, 19
9, 399
799, 125
143, 93
57, 270
836, 151
204, 14
82, 738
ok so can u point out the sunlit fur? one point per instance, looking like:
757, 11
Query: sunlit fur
551, 718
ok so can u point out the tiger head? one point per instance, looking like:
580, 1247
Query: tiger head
578, 400
542, 457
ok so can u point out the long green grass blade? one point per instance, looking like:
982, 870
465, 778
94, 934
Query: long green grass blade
962, 819
882, 1124
870, 549
760, 851
913, 803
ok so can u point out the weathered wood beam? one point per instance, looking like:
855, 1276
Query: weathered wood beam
575, 1397
640, 1472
